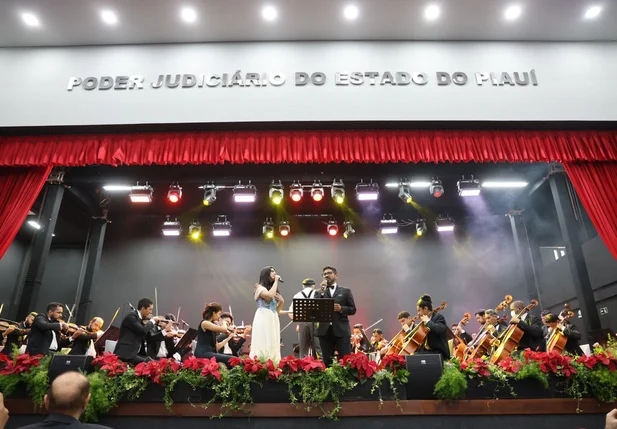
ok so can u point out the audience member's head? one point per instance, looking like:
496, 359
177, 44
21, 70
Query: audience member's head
68, 394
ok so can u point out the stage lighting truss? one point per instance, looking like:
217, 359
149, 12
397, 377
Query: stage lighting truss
245, 193
338, 191
268, 228
404, 192
141, 194
388, 225
276, 192
296, 192
284, 228
317, 192
172, 228
420, 227
332, 227
436, 188
209, 193
175, 193
349, 231
367, 191
444, 224
195, 230
469, 188
222, 227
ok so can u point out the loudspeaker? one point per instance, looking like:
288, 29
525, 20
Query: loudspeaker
425, 370
63, 363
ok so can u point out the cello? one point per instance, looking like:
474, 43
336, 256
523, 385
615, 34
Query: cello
511, 338
459, 350
416, 336
557, 340
395, 346
485, 339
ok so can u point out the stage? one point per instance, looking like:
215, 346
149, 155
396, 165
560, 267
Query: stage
503, 413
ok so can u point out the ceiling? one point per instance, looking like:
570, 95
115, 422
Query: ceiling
78, 22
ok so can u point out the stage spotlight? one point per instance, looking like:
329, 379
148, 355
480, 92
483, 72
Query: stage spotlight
420, 227
436, 188
245, 193
171, 228
222, 227
175, 193
443, 224
404, 193
34, 224
332, 227
317, 191
468, 188
284, 228
209, 194
349, 231
296, 192
268, 228
141, 194
338, 191
276, 192
195, 230
367, 191
388, 225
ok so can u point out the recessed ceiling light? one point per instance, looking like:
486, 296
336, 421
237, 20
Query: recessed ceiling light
269, 13
351, 12
109, 17
30, 19
513, 12
593, 12
432, 12
188, 14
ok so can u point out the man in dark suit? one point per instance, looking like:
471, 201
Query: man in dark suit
533, 337
462, 334
573, 336
83, 341
232, 345
436, 340
44, 335
66, 401
336, 335
131, 345
15, 335
161, 339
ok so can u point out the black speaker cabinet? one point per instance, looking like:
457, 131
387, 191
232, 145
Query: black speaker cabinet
63, 363
424, 372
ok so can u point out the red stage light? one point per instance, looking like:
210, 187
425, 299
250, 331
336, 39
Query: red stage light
173, 198
284, 232
174, 194
332, 231
437, 194
317, 196
297, 196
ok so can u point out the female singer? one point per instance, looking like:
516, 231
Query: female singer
206, 334
266, 340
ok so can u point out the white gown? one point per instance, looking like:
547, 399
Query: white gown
266, 333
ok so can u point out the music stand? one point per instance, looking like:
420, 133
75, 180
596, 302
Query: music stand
313, 310
187, 339
112, 333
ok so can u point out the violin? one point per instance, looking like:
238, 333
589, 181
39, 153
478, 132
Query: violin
557, 340
72, 328
459, 350
510, 339
6, 324
413, 341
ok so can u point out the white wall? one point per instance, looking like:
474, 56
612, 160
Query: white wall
576, 82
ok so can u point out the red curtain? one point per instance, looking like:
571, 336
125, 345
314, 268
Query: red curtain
309, 147
596, 185
19, 188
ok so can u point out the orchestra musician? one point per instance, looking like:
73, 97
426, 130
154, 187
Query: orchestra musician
551, 321
131, 346
335, 336
533, 337
161, 340
16, 335
436, 340
359, 341
82, 343
492, 318
405, 319
207, 344
232, 345
307, 338
480, 317
44, 337
456, 330
378, 342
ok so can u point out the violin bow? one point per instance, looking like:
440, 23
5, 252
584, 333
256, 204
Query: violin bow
156, 302
286, 326
70, 312
379, 321
1, 307
178, 316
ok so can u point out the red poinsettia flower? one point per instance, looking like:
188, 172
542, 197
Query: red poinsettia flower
552, 362
510, 365
273, 371
20, 364
477, 366
111, 364
235, 361
310, 364
290, 364
194, 364
394, 362
156, 369
253, 366
211, 367
360, 365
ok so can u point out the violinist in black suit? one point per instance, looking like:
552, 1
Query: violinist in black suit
83, 342
15, 335
533, 336
551, 321
336, 335
161, 340
44, 335
436, 340
131, 345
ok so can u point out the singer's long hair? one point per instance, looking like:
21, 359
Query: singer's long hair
264, 277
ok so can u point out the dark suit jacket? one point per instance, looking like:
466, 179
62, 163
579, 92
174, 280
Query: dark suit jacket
41, 335
533, 337
132, 336
15, 338
154, 339
81, 344
465, 336
437, 338
340, 320
573, 336
60, 421
235, 344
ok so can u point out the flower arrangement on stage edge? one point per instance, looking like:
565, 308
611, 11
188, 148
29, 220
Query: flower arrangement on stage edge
26, 369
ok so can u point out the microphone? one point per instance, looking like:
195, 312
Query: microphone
281, 280
185, 324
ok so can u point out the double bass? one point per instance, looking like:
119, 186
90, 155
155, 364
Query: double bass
459, 350
485, 339
509, 341
416, 336
557, 340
